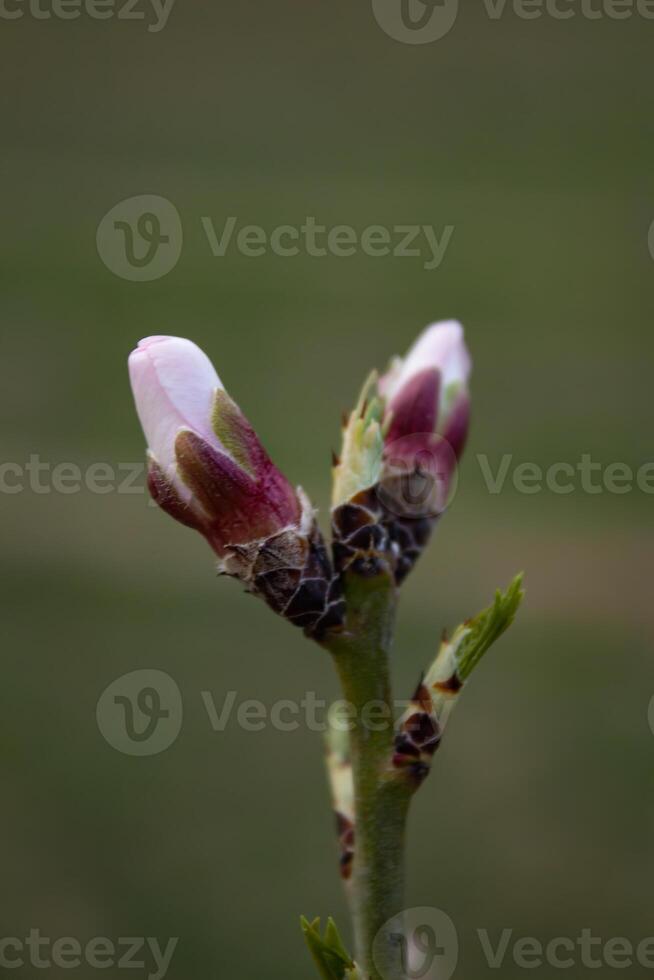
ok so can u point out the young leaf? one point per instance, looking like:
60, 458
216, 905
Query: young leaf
482, 631
328, 952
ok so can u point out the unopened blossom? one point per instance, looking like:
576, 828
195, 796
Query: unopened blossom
208, 470
400, 453
427, 408
427, 391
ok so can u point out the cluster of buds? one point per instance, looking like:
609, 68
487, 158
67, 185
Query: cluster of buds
401, 445
394, 479
208, 470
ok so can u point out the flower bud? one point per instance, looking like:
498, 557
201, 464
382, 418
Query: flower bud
208, 470
427, 400
427, 409
427, 391
400, 451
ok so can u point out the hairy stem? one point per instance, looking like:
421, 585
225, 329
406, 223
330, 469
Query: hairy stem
361, 655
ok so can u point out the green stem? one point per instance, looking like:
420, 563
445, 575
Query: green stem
361, 655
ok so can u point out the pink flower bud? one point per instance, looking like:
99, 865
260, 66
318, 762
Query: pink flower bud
426, 415
427, 392
207, 466
208, 470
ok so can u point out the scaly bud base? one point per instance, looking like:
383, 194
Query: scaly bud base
292, 573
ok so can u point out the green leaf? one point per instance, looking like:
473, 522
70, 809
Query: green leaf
360, 463
328, 951
334, 941
482, 631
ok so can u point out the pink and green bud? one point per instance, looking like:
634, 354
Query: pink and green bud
427, 391
400, 452
207, 467
208, 470
426, 417
426, 394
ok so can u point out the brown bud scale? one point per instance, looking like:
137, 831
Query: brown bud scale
292, 573
418, 738
361, 542
369, 537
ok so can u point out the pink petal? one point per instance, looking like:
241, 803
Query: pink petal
440, 346
174, 384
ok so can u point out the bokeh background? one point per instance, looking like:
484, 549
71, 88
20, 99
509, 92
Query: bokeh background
533, 138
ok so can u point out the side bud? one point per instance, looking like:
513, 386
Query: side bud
208, 470
361, 541
421, 727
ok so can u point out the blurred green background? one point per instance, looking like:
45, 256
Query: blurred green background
533, 138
